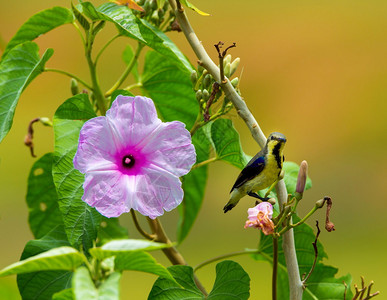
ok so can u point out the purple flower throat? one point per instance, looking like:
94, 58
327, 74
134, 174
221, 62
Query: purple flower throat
128, 161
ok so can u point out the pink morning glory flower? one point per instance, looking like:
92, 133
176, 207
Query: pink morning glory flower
133, 160
260, 217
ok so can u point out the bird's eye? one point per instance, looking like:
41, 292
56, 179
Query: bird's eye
272, 137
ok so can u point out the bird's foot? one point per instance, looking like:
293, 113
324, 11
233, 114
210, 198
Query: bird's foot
255, 195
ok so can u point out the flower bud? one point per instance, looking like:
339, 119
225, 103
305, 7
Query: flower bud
320, 203
160, 13
45, 121
200, 69
234, 65
206, 95
74, 86
227, 69
227, 59
155, 16
194, 77
301, 180
199, 95
207, 80
235, 82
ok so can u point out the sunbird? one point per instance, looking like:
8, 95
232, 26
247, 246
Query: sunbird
263, 170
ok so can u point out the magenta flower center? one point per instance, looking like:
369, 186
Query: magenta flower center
128, 161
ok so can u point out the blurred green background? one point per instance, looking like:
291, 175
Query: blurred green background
314, 70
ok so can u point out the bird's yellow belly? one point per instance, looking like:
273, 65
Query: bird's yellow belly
265, 179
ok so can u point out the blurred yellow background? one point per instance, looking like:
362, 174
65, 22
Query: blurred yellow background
314, 70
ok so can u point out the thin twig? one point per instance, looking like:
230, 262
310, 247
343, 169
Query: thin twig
329, 226
295, 284
138, 227
315, 255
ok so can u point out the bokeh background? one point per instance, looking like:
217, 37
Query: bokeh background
314, 70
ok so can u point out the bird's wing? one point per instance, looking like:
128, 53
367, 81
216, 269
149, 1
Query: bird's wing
252, 169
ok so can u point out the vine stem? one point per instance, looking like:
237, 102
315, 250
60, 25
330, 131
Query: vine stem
171, 253
127, 70
275, 269
295, 284
69, 75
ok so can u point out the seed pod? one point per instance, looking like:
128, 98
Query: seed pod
74, 87
207, 80
206, 95
194, 77
227, 69
199, 95
234, 65
235, 82
227, 59
320, 203
45, 121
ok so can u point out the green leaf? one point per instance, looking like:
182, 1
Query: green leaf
140, 261
127, 57
42, 201
119, 15
80, 17
322, 284
170, 88
110, 288
114, 248
183, 288
21, 65
291, 174
43, 284
227, 143
194, 184
81, 221
39, 24
157, 40
84, 287
66, 294
62, 258
194, 8
231, 283
110, 229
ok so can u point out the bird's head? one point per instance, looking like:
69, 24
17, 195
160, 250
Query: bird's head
276, 140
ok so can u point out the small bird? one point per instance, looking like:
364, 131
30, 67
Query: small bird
263, 170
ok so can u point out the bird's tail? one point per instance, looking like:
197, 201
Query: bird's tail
234, 199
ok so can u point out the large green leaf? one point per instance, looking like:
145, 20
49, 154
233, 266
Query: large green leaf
231, 283
81, 221
322, 284
84, 287
39, 24
114, 248
66, 294
42, 201
62, 258
227, 143
17, 70
119, 15
170, 88
194, 184
42, 285
157, 40
140, 261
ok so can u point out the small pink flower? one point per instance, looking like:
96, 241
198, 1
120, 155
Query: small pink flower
260, 217
132, 160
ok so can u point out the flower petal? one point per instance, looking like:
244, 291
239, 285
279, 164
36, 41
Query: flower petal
157, 190
96, 148
108, 192
170, 147
132, 119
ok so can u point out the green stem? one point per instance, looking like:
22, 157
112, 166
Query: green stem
127, 70
104, 47
204, 162
132, 86
220, 257
300, 222
275, 268
80, 33
69, 75
101, 101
